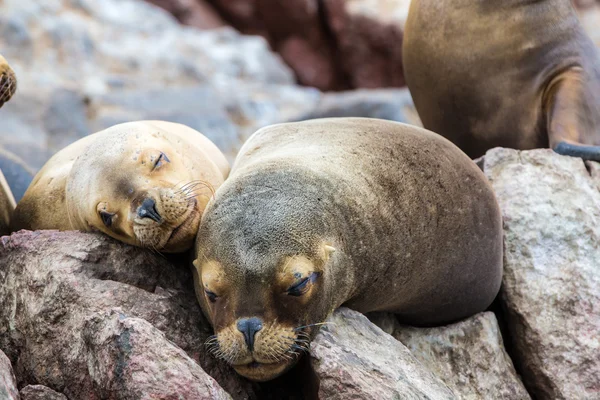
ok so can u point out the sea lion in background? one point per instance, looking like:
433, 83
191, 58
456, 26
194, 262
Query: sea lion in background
510, 73
8, 81
8, 87
366, 213
144, 183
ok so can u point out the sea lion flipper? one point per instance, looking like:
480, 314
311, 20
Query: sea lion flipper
588, 153
570, 124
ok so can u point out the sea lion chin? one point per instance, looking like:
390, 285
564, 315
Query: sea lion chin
371, 214
144, 183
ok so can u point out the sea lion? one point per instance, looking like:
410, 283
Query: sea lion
370, 214
7, 205
510, 73
144, 183
8, 81
8, 86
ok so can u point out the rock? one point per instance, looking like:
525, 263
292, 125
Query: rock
8, 385
18, 175
551, 285
39, 392
390, 104
368, 34
196, 13
589, 15
67, 298
354, 359
84, 64
129, 358
468, 356
59, 291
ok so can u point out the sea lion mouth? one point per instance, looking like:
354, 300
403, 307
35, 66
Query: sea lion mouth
261, 372
182, 230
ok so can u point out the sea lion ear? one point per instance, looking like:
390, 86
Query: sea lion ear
196, 263
328, 250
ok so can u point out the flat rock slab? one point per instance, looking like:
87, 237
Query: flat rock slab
354, 359
8, 384
551, 284
468, 356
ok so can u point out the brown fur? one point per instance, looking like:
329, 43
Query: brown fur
383, 216
112, 171
511, 73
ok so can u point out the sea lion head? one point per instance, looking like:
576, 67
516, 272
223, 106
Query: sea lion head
136, 183
8, 81
263, 277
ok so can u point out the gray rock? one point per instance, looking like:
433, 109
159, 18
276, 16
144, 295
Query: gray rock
40, 392
354, 359
83, 65
468, 356
390, 104
129, 358
53, 285
18, 175
551, 284
8, 385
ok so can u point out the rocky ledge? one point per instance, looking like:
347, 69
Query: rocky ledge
84, 316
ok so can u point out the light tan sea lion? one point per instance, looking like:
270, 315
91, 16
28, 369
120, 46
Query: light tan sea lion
366, 213
144, 183
510, 73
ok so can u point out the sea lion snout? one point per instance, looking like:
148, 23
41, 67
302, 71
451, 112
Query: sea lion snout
249, 327
148, 210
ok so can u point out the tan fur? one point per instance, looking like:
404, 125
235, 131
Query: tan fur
112, 171
380, 216
8, 87
7, 205
8, 81
508, 73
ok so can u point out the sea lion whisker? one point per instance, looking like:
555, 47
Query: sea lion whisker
316, 324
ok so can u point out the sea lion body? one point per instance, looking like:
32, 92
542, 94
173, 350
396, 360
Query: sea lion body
145, 183
8, 86
511, 73
369, 214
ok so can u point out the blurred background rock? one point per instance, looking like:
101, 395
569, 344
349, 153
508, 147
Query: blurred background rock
84, 65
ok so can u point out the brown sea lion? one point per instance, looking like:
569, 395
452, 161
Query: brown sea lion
511, 73
366, 213
145, 183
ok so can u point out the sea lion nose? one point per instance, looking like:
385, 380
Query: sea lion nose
249, 327
148, 210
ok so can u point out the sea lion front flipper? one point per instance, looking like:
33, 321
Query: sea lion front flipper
588, 153
571, 119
